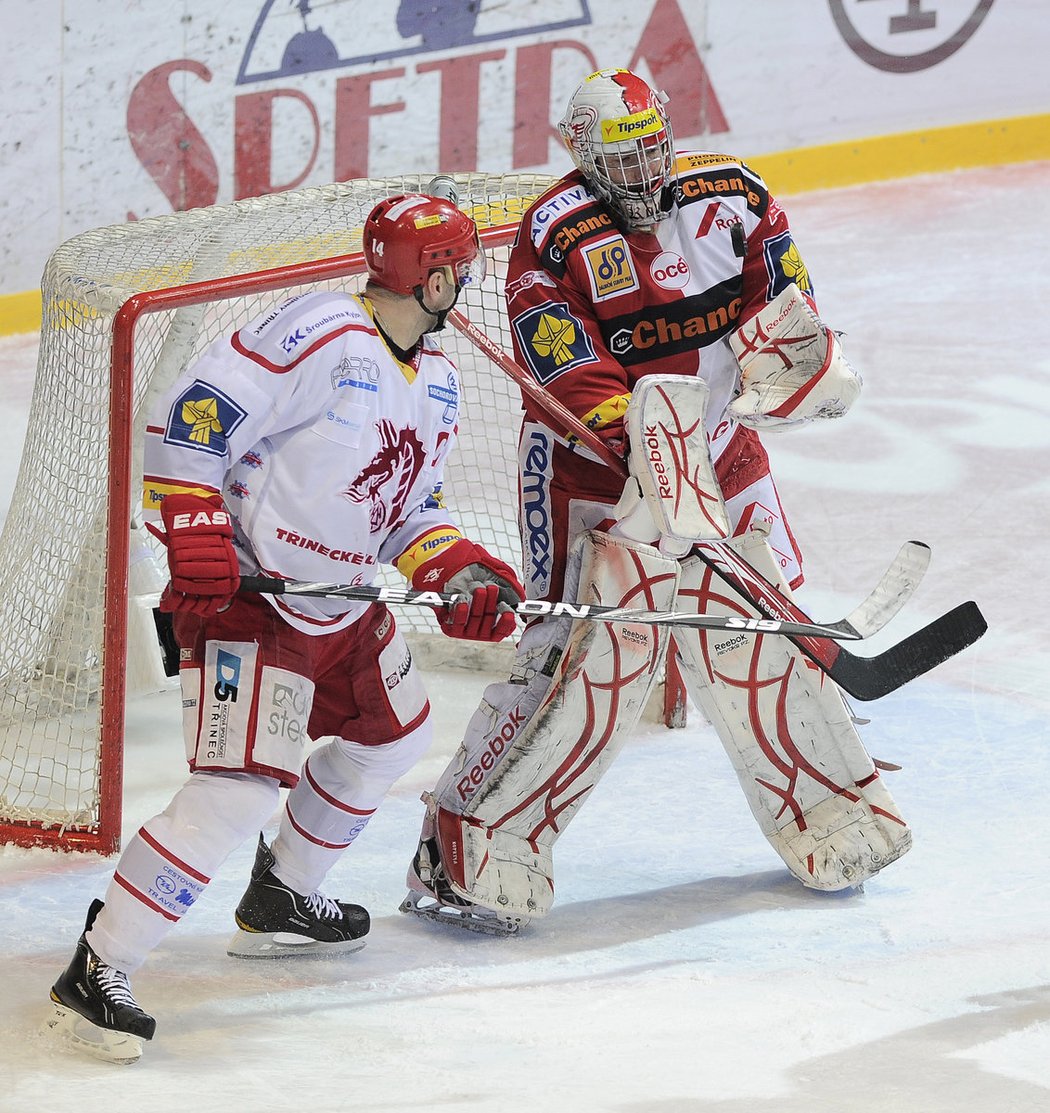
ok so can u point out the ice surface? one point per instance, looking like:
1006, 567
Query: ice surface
681, 969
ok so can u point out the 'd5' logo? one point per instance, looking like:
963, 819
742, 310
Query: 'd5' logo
609, 268
227, 676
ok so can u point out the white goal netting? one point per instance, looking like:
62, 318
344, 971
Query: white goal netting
59, 703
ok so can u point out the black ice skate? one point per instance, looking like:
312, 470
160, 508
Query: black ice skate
95, 1007
277, 922
431, 897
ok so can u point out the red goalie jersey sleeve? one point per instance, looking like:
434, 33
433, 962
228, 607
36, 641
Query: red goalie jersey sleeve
592, 309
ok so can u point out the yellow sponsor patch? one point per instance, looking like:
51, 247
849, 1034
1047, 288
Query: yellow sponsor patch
609, 411
426, 548
699, 161
609, 268
634, 126
427, 221
153, 494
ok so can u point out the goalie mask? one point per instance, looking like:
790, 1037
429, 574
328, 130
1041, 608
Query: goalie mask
619, 136
407, 237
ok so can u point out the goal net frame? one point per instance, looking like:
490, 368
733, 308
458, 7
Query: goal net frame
52, 701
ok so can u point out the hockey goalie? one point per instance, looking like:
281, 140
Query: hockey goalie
659, 296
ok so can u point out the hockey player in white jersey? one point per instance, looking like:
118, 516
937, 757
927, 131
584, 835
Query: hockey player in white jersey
309, 445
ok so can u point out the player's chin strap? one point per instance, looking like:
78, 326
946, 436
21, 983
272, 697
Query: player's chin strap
439, 315
443, 186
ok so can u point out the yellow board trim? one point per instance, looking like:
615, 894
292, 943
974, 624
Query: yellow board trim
19, 312
905, 154
877, 158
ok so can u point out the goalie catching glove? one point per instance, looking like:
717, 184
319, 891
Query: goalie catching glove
205, 573
490, 591
792, 369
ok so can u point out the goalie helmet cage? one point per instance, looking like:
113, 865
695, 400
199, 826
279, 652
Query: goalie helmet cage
125, 309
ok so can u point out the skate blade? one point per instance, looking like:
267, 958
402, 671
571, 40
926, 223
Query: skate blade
483, 921
285, 944
121, 1048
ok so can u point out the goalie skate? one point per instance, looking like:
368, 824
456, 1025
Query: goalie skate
430, 897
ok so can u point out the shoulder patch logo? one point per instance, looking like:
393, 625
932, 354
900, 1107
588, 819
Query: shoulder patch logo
553, 340
784, 264
203, 418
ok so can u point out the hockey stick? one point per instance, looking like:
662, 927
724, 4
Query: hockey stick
864, 678
533, 608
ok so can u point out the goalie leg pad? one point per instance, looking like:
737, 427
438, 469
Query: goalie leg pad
534, 749
808, 780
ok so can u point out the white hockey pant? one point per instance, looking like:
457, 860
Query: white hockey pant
807, 777
539, 742
341, 786
170, 860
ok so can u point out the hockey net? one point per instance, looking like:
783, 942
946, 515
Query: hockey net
125, 310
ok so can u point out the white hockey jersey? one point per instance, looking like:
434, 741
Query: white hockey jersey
328, 450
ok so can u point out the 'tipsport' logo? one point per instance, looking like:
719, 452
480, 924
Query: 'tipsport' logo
904, 36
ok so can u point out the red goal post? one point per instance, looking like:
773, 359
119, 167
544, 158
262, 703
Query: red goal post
125, 309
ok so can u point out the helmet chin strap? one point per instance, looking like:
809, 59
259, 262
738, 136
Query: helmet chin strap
439, 315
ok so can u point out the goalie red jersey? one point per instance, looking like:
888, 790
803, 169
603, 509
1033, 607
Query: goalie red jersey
594, 308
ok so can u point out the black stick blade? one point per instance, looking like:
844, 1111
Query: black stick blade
870, 678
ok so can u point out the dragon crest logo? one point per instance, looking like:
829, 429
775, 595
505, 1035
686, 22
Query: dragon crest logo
385, 482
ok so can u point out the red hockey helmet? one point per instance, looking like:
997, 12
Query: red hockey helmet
408, 236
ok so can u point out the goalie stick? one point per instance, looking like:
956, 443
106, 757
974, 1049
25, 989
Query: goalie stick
864, 678
532, 608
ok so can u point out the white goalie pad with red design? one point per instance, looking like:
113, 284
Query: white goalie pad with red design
792, 369
671, 460
807, 777
539, 743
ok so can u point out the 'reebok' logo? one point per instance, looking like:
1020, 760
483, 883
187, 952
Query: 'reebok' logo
386, 481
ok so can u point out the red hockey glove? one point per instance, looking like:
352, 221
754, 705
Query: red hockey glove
491, 589
203, 565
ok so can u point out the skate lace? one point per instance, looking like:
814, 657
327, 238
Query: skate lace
114, 984
324, 908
